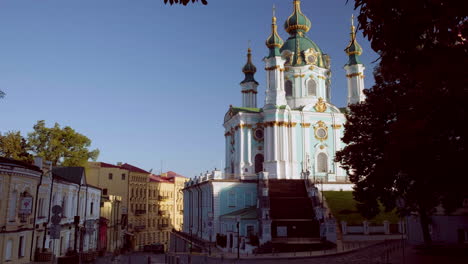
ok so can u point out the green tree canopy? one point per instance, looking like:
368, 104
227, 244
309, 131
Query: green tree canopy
62, 146
406, 143
14, 146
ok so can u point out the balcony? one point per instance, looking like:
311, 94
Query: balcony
139, 228
162, 198
163, 213
140, 212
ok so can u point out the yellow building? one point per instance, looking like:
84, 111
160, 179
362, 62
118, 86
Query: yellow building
166, 205
114, 182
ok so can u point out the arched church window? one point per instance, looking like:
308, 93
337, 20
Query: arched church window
288, 88
312, 88
322, 162
258, 163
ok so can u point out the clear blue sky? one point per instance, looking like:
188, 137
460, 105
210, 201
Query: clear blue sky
147, 81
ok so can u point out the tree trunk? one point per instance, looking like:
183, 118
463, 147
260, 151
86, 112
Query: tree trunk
424, 220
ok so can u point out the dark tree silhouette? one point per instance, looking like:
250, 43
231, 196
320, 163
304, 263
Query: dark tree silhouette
184, 2
406, 143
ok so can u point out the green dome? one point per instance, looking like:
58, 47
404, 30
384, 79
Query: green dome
274, 41
297, 21
304, 44
353, 49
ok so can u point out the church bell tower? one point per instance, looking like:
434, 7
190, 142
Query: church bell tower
354, 69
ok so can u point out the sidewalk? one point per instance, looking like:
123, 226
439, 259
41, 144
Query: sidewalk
285, 255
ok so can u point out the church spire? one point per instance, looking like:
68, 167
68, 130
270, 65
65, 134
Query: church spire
353, 50
249, 68
274, 41
249, 84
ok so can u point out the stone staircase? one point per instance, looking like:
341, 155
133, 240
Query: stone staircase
292, 212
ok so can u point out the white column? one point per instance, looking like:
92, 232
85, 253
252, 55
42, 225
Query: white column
226, 154
249, 147
240, 156
293, 148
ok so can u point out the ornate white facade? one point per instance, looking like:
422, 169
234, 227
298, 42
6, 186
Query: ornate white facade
297, 131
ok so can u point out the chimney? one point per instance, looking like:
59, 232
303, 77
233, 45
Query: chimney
38, 162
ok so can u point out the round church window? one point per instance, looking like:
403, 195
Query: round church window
321, 133
258, 134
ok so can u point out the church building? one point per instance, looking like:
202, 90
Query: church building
277, 151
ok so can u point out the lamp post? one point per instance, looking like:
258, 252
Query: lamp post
238, 237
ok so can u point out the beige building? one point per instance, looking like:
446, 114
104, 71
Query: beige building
137, 203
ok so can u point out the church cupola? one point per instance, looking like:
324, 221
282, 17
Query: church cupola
249, 84
299, 50
297, 22
249, 69
353, 50
274, 41
354, 69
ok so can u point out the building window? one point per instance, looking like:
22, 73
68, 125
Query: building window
91, 208
110, 176
311, 88
8, 249
12, 207
288, 88
322, 162
123, 176
21, 247
232, 199
104, 191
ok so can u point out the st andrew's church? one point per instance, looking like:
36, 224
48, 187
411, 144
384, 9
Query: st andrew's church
275, 153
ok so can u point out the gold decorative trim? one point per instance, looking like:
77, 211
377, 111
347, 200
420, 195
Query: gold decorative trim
299, 75
305, 125
320, 106
272, 68
279, 124
355, 74
311, 68
250, 91
321, 77
245, 126
320, 125
336, 126
296, 27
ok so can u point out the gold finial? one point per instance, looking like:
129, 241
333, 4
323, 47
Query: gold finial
297, 5
353, 29
273, 18
248, 46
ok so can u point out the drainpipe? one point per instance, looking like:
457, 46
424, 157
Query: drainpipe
85, 214
48, 216
77, 219
35, 218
